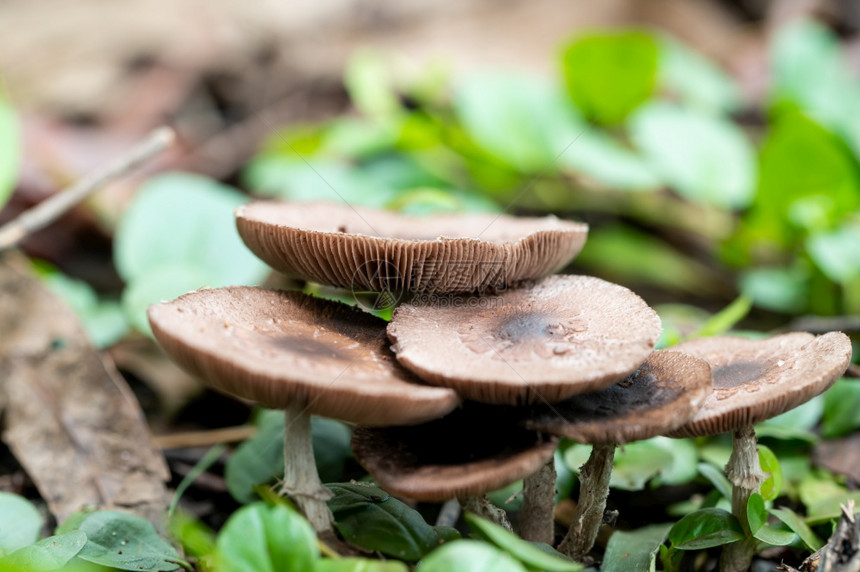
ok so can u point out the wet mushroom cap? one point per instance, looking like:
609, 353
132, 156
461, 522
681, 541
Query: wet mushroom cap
662, 394
372, 250
755, 380
280, 348
472, 451
558, 337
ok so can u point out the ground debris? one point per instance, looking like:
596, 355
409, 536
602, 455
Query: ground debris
70, 419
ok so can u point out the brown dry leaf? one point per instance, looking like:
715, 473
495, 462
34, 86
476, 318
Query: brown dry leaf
70, 419
842, 456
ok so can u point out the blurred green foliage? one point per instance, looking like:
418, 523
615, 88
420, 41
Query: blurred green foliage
638, 127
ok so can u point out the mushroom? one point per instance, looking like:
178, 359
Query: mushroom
371, 250
560, 336
301, 354
660, 395
755, 380
474, 450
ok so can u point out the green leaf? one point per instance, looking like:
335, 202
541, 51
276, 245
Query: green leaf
21, 522
772, 485
180, 225
104, 321
703, 157
260, 459
695, 80
469, 556
124, 541
705, 528
10, 150
359, 565
841, 409
775, 536
756, 512
726, 319
427, 201
808, 181
315, 180
809, 71
629, 255
368, 517
610, 74
717, 478
520, 119
635, 549
836, 253
777, 289
823, 496
683, 467
206, 461
796, 523
159, 285
796, 423
184, 219
261, 538
532, 557
49, 553
599, 157
196, 538
370, 85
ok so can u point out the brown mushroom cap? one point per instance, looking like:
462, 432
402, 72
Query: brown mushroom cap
472, 451
559, 337
280, 348
373, 250
755, 380
659, 396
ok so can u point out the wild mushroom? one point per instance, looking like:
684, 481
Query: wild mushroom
474, 450
660, 395
360, 248
305, 355
558, 337
755, 380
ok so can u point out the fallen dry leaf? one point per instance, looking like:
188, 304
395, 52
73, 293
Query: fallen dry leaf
70, 419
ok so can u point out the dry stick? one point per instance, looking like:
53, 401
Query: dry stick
301, 480
744, 472
54, 207
204, 438
593, 490
537, 523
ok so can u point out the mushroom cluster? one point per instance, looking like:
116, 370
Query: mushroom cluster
488, 360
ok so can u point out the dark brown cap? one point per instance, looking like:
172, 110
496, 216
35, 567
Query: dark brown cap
559, 337
755, 380
658, 397
281, 348
472, 451
371, 250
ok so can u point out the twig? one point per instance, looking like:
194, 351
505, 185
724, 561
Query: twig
205, 438
51, 209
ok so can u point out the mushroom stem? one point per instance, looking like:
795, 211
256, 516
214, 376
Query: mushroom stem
483, 507
593, 490
745, 474
536, 515
301, 479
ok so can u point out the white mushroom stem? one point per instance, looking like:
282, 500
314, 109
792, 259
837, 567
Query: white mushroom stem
536, 515
483, 507
301, 479
593, 490
744, 472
